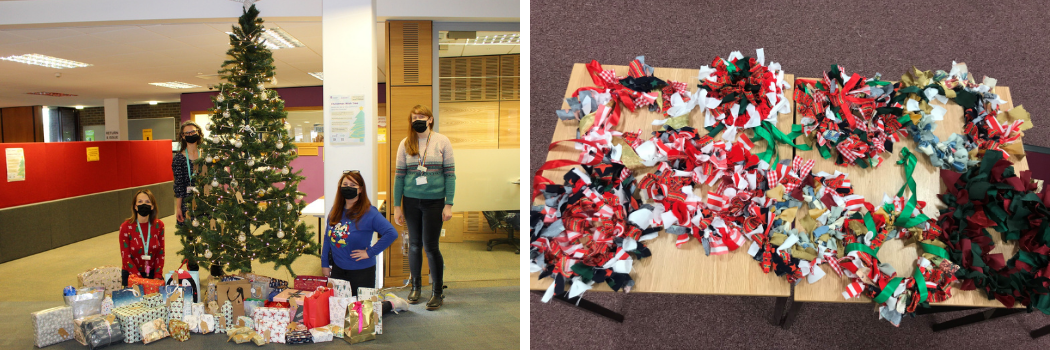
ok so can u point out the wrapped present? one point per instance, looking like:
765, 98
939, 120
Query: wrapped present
293, 293
322, 334
107, 306
276, 304
101, 331
278, 284
202, 324
127, 296
176, 305
223, 315
377, 300
197, 309
106, 277
154, 330
337, 329
180, 330
337, 309
274, 292
272, 320
149, 285
86, 302
78, 333
185, 292
245, 321
299, 337
131, 318
228, 278
304, 282
153, 300
53, 326
342, 288
240, 335
211, 293
360, 322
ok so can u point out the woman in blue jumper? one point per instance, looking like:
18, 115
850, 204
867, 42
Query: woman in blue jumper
348, 253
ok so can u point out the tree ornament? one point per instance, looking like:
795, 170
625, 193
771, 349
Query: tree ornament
260, 87
196, 223
237, 107
251, 162
226, 114
237, 143
207, 159
284, 171
290, 206
215, 138
214, 182
233, 183
280, 233
220, 98
242, 238
280, 145
207, 254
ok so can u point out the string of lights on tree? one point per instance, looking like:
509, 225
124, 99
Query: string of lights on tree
246, 204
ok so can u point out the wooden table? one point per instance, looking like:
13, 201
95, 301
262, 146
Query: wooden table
672, 270
873, 183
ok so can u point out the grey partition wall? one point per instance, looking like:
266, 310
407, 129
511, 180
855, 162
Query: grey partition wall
163, 128
34, 228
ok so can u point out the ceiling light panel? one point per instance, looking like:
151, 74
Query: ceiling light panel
502, 39
176, 85
318, 75
46, 61
52, 94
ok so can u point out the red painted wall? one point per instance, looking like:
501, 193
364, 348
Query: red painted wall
60, 169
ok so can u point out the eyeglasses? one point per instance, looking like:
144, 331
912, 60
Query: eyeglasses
190, 133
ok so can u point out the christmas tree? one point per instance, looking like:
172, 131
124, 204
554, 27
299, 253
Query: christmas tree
246, 205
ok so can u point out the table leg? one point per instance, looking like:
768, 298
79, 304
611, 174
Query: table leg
939, 309
778, 311
587, 305
789, 319
1040, 332
975, 318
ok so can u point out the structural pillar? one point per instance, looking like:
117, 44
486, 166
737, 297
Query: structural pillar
116, 110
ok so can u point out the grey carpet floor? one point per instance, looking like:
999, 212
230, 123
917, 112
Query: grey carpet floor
1006, 40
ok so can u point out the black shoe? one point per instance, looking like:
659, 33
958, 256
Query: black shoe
413, 295
435, 301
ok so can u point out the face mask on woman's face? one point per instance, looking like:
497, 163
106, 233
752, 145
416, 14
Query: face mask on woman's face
193, 138
348, 192
144, 209
419, 125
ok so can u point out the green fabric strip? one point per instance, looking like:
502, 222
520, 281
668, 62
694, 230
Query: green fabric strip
920, 282
887, 292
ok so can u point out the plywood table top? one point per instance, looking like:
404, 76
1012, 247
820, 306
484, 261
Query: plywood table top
683, 270
873, 183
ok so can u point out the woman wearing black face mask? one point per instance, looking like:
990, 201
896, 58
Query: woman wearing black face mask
184, 171
426, 178
348, 253
142, 239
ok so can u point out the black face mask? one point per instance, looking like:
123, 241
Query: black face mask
419, 125
193, 138
348, 192
144, 210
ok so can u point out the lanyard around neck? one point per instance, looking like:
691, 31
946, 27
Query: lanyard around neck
189, 169
423, 156
145, 239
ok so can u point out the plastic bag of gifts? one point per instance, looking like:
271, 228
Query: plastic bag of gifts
85, 301
53, 326
373, 295
272, 322
154, 330
98, 331
326, 333
360, 323
180, 330
106, 277
298, 334
131, 318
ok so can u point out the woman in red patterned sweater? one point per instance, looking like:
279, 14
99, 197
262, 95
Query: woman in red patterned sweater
141, 230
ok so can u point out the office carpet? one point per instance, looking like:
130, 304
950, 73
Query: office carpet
1005, 40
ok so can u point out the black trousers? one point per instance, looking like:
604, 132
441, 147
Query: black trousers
359, 278
423, 217
216, 270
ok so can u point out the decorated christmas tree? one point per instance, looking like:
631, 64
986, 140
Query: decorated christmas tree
246, 205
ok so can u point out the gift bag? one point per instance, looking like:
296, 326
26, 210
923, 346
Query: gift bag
128, 296
236, 292
149, 285
321, 334
184, 278
359, 325
100, 331
107, 306
315, 308
106, 277
337, 309
298, 334
342, 288
304, 282
373, 295
87, 302
53, 326
131, 317
180, 330
295, 310
154, 330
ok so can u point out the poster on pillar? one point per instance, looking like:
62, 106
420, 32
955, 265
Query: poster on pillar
348, 113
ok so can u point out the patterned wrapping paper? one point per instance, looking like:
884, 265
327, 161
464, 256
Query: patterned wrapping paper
245, 321
274, 320
322, 334
337, 329
212, 293
153, 300
293, 293
53, 326
223, 321
154, 330
299, 337
202, 324
337, 308
176, 308
149, 285
305, 282
196, 309
131, 318
343, 289
186, 294
101, 331
107, 306
240, 335
125, 297
107, 277
179, 330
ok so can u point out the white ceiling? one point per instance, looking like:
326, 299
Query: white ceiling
126, 58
